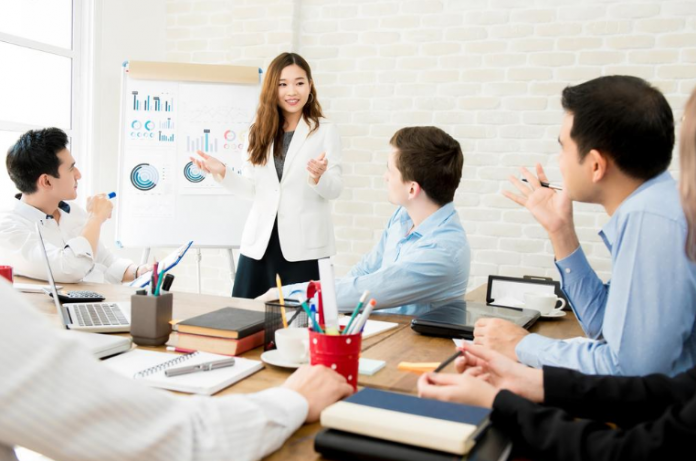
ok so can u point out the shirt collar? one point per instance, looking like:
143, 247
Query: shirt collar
431, 222
34, 214
608, 232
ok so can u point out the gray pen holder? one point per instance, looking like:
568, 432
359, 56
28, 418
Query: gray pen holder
150, 317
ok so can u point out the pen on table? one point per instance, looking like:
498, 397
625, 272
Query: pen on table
447, 362
546, 184
357, 309
282, 301
207, 366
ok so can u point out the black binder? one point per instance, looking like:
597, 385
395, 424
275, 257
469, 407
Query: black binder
344, 446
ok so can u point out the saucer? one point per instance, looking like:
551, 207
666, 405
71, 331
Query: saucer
275, 358
554, 315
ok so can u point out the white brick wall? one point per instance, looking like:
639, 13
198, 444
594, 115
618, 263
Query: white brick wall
489, 72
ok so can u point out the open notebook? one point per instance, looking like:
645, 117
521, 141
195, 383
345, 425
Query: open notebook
149, 367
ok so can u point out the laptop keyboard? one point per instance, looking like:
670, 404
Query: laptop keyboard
99, 314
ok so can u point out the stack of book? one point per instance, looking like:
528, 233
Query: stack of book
378, 425
227, 331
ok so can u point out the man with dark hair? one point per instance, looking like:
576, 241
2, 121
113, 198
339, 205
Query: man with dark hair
43, 169
423, 257
616, 144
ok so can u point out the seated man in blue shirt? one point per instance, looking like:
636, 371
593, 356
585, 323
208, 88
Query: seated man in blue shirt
423, 256
616, 144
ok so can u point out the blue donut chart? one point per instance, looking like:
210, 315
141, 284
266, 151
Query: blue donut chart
144, 177
193, 174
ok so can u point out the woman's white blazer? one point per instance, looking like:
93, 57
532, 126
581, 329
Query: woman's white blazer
305, 227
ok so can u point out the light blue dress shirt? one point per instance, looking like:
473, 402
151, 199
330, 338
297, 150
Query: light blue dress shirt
643, 320
419, 270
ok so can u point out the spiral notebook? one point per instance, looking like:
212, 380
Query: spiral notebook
149, 366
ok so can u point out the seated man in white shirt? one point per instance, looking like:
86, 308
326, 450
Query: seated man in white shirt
58, 400
44, 171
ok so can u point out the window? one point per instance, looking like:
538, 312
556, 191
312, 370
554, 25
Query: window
40, 51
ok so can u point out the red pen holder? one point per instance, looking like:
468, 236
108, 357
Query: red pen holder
341, 353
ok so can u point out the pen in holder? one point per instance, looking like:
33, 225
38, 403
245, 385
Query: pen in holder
150, 317
341, 353
273, 320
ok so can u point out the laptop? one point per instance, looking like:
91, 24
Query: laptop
457, 319
95, 317
102, 346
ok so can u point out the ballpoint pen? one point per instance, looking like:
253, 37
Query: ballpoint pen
294, 316
448, 361
207, 366
545, 184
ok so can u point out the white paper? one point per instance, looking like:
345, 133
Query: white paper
328, 293
459, 342
511, 294
204, 382
372, 327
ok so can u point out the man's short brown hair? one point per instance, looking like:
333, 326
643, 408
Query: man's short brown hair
430, 157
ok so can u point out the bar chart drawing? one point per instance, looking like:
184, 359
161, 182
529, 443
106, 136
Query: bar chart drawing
165, 138
202, 143
149, 103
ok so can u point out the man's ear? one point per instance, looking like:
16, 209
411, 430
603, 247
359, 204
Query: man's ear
414, 190
44, 182
598, 164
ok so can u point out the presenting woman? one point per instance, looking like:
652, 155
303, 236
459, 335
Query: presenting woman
293, 170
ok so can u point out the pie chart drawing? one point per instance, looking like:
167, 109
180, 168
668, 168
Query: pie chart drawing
144, 177
192, 173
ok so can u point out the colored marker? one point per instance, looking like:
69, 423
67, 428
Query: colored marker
358, 327
112, 195
355, 312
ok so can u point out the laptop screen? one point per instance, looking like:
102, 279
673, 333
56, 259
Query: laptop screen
51, 282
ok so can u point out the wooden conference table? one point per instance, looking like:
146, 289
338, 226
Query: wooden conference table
397, 345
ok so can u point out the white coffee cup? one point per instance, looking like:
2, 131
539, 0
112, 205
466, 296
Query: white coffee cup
293, 344
544, 303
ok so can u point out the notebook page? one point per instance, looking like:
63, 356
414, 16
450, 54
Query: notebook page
204, 382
